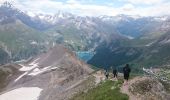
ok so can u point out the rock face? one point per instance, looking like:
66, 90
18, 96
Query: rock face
146, 88
4, 57
58, 73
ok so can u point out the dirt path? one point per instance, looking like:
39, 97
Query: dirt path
125, 89
99, 76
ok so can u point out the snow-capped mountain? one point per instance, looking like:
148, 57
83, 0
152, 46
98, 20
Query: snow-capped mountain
121, 23
9, 13
76, 32
119, 18
53, 19
37, 58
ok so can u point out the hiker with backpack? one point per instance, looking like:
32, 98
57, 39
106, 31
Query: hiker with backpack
114, 72
126, 72
106, 74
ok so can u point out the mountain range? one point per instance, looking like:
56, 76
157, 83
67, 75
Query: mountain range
129, 38
40, 55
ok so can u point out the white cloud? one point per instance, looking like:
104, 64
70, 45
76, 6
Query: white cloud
128, 7
39, 6
72, 6
147, 2
156, 8
1, 1
72, 2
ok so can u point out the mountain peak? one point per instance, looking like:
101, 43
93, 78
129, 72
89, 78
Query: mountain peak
62, 14
7, 4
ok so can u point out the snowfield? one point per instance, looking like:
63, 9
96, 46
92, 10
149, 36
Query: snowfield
31, 66
23, 93
33, 70
38, 71
165, 41
149, 44
27, 68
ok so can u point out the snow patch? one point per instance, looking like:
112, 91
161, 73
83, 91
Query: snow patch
28, 68
20, 61
149, 44
20, 76
31, 14
148, 70
41, 16
37, 71
34, 62
130, 37
33, 43
127, 36
31, 66
33, 69
60, 15
23, 93
165, 41
163, 18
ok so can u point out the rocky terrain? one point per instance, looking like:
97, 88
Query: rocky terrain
145, 88
57, 74
39, 56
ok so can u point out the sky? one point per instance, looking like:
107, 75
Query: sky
95, 7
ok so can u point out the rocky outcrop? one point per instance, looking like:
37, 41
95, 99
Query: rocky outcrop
58, 73
146, 88
4, 57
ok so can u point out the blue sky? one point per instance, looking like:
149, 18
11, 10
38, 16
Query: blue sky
96, 7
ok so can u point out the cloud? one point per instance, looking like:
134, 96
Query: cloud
146, 2
72, 2
158, 10
1, 1
130, 7
39, 6
72, 6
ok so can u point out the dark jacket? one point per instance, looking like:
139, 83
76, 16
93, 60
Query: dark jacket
126, 70
114, 71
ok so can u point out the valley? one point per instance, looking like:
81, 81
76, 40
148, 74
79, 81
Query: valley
63, 56
78, 33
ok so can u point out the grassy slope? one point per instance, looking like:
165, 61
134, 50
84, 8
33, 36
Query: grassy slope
71, 34
16, 34
17, 37
108, 90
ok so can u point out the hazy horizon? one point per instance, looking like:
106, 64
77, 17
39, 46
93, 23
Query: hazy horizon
94, 7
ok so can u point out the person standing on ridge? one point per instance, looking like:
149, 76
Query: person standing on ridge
114, 72
126, 72
106, 74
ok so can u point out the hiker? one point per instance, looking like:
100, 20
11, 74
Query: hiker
126, 72
107, 74
114, 72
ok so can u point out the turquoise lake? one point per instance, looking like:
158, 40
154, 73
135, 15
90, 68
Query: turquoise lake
85, 55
